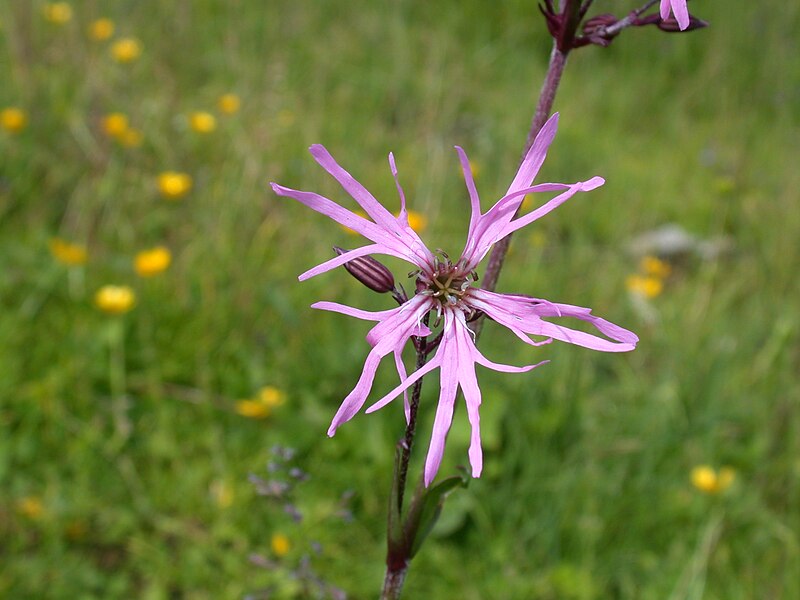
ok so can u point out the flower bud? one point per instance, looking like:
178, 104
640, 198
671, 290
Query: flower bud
370, 272
671, 25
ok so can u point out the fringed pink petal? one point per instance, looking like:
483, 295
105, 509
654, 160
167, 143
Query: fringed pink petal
367, 201
412, 379
535, 156
681, 13
338, 261
334, 211
366, 315
448, 386
474, 200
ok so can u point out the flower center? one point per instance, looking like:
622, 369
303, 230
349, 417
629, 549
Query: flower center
447, 282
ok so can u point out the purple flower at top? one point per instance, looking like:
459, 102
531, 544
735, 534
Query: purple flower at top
446, 289
678, 8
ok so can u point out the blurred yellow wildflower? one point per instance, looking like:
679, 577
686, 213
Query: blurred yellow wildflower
202, 122
648, 287
527, 202
115, 124
115, 299
417, 221
13, 119
709, 481
30, 507
253, 409
101, 29
152, 262
229, 104
126, 50
271, 396
655, 267
57, 12
132, 138
280, 545
475, 167
174, 185
68, 253
221, 492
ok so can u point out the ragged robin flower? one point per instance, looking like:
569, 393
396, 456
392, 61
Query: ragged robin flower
13, 119
68, 253
446, 292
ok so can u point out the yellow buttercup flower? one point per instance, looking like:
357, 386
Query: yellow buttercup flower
115, 299
648, 287
31, 507
417, 221
253, 409
152, 262
709, 481
475, 168
126, 50
57, 12
13, 119
271, 396
132, 138
655, 267
229, 104
174, 185
68, 253
202, 122
101, 30
115, 124
280, 545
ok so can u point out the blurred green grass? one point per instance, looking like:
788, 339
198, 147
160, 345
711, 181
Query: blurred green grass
586, 490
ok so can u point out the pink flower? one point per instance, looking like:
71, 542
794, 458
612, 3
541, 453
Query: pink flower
446, 289
679, 9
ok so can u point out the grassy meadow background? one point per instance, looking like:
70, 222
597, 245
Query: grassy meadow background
586, 491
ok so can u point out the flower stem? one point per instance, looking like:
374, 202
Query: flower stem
558, 60
393, 584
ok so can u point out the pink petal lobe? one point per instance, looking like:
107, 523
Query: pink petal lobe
664, 9
681, 13
366, 315
359, 193
474, 200
535, 157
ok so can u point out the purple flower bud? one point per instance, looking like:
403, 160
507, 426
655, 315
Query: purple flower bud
370, 272
671, 25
